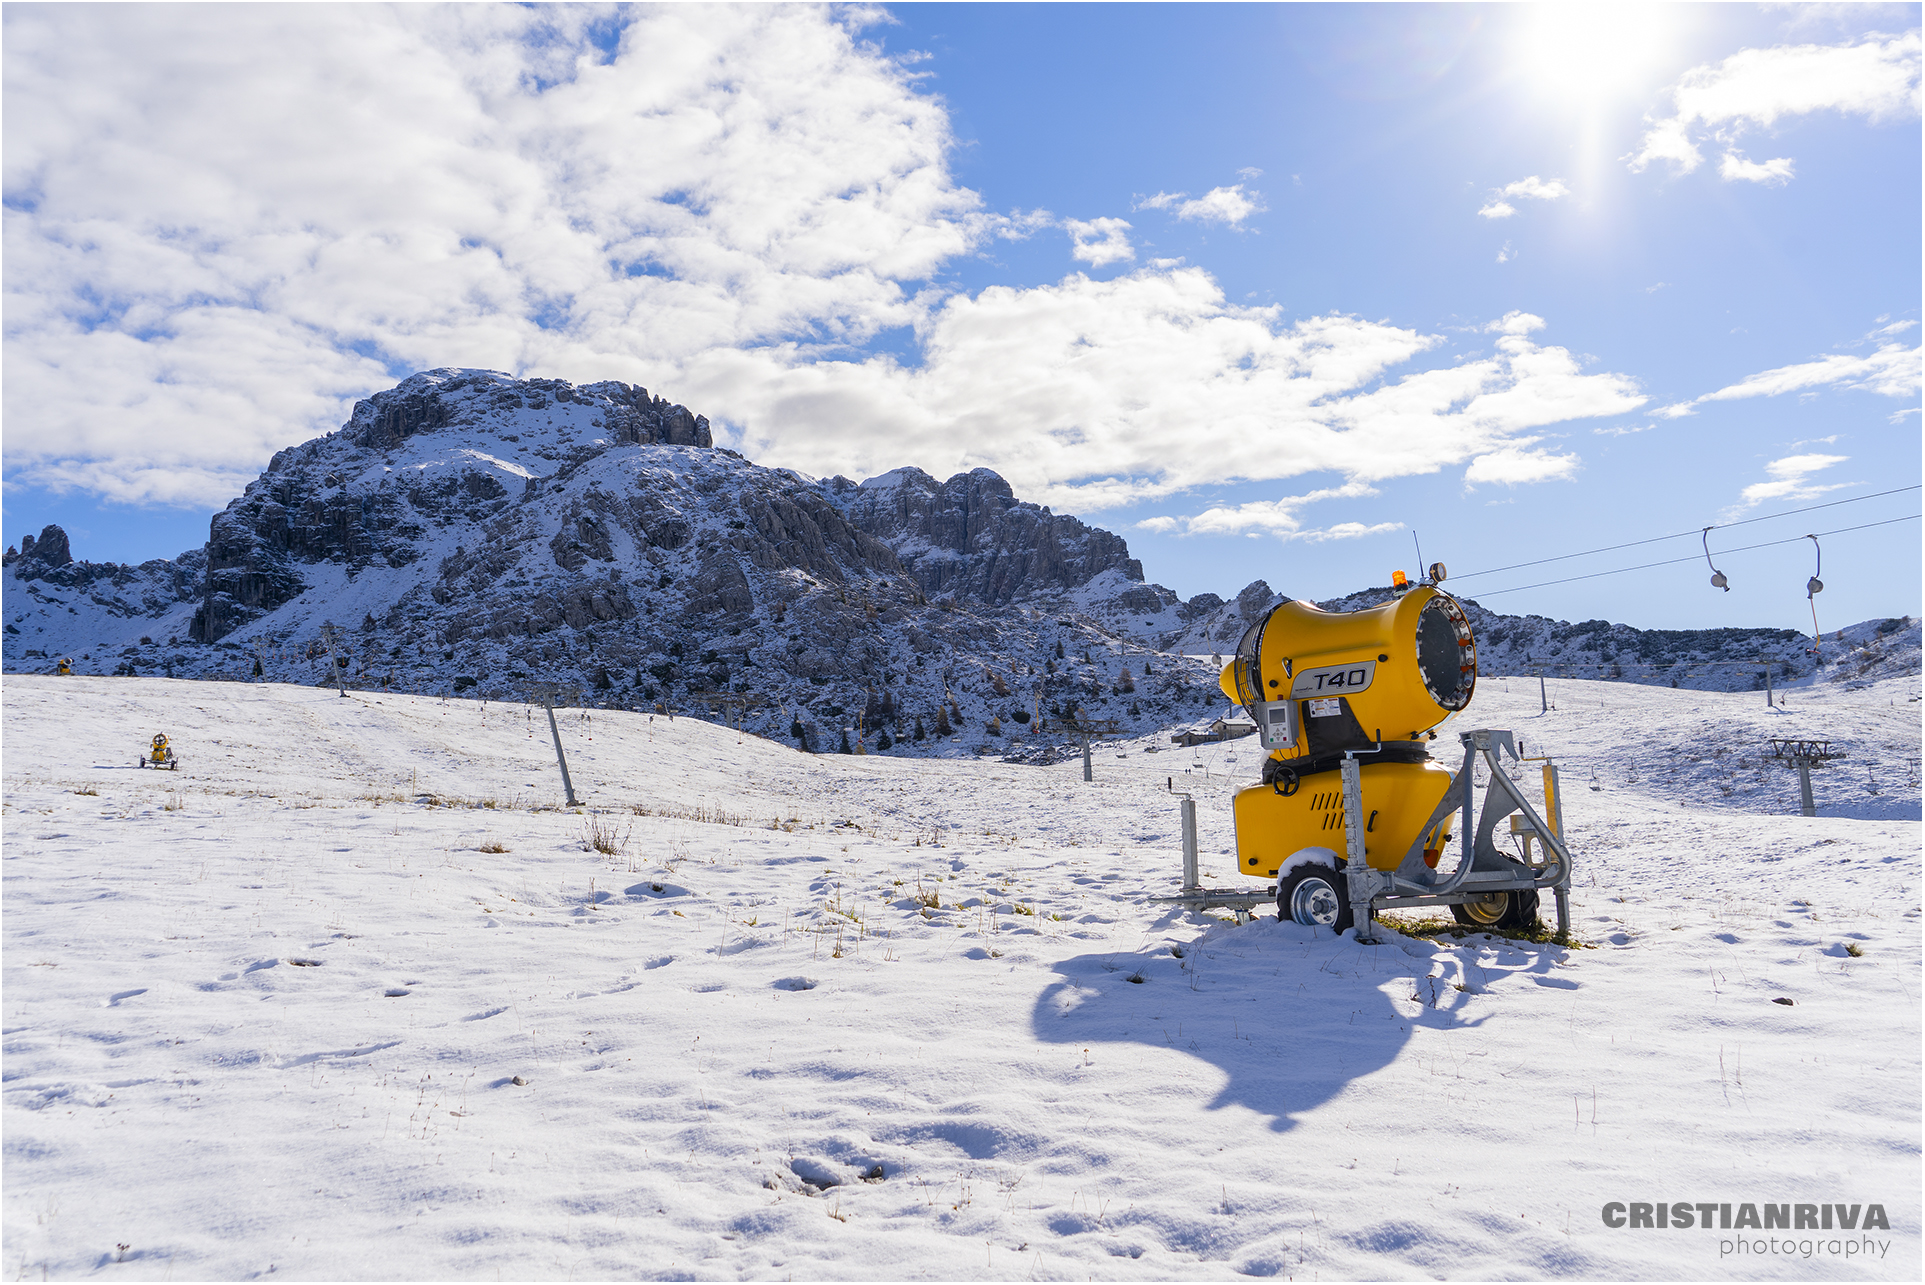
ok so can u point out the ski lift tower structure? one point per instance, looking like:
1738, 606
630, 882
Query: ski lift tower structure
550, 695
1085, 728
1804, 755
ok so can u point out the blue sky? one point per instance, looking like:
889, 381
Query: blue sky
1262, 288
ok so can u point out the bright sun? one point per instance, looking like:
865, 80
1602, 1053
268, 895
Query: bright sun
1587, 53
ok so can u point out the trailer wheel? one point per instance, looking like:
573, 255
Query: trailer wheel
1316, 896
1514, 909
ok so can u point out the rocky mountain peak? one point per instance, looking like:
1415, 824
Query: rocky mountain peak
49, 551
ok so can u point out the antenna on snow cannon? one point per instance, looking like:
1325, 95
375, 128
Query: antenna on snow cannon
1351, 814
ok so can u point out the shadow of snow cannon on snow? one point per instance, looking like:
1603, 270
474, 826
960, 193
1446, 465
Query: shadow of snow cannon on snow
1291, 1015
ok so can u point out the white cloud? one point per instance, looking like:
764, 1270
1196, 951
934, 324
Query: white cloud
1772, 173
225, 225
1227, 205
1084, 394
1891, 371
1278, 517
1516, 323
1019, 226
1538, 189
1514, 465
1099, 241
1876, 77
1532, 188
1791, 480
1346, 531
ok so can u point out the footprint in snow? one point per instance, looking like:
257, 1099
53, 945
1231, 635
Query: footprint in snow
796, 984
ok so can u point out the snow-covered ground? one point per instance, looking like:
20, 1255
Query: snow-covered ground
349, 997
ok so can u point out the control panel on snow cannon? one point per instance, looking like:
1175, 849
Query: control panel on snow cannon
1372, 684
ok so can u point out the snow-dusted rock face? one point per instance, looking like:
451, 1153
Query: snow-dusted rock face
1212, 626
970, 537
42, 579
1704, 659
444, 450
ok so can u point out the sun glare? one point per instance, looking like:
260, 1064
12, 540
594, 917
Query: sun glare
1587, 53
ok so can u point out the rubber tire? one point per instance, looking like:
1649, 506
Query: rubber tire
1294, 898
1518, 913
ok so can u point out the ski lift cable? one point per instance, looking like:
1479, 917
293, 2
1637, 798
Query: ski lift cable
1656, 539
1668, 562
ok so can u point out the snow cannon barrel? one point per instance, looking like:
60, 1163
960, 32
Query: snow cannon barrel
1346, 680
1322, 684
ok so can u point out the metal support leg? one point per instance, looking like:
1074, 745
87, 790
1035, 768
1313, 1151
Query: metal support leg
1358, 876
1190, 879
1554, 816
1086, 765
1806, 806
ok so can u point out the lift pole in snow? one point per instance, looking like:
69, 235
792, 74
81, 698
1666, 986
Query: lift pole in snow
1083, 729
548, 694
331, 634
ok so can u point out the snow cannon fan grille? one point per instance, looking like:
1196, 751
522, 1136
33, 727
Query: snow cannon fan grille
1446, 653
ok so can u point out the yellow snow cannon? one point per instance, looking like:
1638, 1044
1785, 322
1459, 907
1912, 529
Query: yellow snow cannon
1351, 813
160, 755
65, 667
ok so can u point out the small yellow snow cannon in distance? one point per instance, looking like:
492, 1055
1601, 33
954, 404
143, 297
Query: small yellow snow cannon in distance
160, 755
65, 667
1352, 814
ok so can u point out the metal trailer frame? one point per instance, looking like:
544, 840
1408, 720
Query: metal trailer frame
1483, 867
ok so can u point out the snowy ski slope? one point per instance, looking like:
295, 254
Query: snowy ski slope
350, 997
